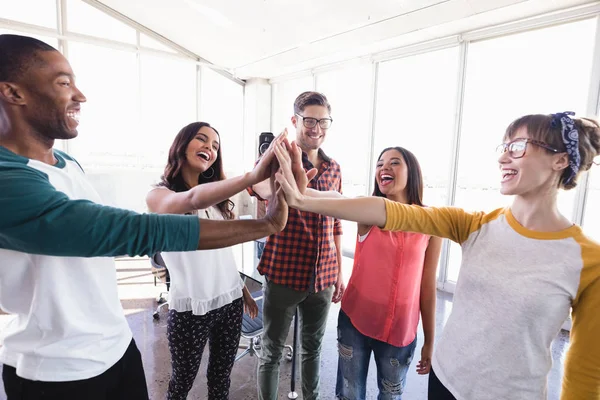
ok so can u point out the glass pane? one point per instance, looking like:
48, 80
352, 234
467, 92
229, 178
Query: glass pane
409, 91
85, 19
168, 104
46, 39
508, 77
36, 12
147, 41
284, 94
108, 145
109, 116
416, 105
349, 93
222, 105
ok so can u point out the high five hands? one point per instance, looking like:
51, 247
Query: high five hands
282, 163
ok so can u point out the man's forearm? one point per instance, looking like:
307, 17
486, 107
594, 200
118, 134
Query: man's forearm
217, 234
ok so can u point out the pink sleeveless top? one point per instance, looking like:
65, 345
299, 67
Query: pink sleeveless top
383, 294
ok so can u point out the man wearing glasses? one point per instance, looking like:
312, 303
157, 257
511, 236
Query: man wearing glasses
302, 264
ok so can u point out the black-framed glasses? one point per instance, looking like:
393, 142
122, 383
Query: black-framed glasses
310, 123
518, 147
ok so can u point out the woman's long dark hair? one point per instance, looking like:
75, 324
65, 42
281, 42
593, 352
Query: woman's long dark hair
172, 178
414, 182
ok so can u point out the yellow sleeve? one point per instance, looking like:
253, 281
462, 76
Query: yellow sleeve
447, 222
581, 379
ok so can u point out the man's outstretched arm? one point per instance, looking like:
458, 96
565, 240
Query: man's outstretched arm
216, 234
35, 218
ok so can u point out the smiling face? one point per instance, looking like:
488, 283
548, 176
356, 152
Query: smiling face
203, 150
391, 174
398, 176
50, 102
310, 138
527, 167
195, 150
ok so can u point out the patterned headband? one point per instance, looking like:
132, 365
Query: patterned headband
570, 138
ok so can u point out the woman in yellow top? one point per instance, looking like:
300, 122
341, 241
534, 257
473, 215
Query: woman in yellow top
523, 267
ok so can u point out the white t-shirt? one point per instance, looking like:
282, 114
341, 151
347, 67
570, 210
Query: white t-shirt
57, 273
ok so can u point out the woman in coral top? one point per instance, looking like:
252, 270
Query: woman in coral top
393, 279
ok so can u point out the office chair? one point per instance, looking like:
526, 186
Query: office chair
252, 329
161, 273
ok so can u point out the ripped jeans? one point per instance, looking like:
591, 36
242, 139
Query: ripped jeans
354, 351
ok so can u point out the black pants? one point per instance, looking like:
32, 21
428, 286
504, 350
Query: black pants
188, 334
123, 381
437, 391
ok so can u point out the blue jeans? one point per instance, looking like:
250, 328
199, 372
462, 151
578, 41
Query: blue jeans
354, 350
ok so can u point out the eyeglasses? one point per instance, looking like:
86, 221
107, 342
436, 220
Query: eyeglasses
517, 148
310, 123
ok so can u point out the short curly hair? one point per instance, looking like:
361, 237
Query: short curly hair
18, 54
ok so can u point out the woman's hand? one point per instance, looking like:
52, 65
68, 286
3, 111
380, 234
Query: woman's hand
301, 176
262, 170
285, 176
250, 306
424, 365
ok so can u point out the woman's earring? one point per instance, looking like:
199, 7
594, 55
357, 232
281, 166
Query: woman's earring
212, 173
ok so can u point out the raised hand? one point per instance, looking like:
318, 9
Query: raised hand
277, 211
285, 177
302, 177
262, 170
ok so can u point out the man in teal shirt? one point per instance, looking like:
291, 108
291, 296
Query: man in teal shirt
69, 338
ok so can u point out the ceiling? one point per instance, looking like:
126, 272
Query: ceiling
269, 38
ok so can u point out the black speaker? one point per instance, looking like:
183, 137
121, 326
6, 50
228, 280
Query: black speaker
264, 140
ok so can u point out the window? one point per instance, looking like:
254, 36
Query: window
168, 103
88, 20
21, 10
46, 39
349, 93
508, 77
416, 106
284, 94
147, 41
109, 134
222, 105
137, 101
109, 142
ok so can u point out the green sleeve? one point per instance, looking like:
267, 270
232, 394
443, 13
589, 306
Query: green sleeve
35, 218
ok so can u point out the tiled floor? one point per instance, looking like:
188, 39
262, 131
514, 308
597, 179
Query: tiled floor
138, 295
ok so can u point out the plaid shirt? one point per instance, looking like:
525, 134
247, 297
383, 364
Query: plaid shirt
305, 249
